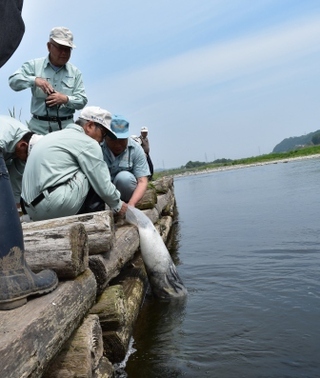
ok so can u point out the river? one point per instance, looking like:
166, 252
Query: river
247, 249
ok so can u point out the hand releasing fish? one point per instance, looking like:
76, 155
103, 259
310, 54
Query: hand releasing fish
162, 273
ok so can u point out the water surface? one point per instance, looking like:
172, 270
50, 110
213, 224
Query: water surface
248, 253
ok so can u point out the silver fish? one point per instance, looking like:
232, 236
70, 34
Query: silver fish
162, 273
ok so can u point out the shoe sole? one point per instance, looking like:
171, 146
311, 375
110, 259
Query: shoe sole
10, 304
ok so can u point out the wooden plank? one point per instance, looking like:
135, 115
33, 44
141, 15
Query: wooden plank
99, 227
63, 249
33, 334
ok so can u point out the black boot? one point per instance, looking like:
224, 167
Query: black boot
17, 281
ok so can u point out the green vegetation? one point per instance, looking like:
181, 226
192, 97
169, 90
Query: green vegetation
294, 143
198, 167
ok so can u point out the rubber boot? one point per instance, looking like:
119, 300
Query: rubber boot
17, 281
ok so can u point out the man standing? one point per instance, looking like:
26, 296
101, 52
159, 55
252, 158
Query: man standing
146, 148
126, 161
66, 174
15, 142
56, 85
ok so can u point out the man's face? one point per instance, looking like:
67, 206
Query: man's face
144, 134
94, 131
21, 150
59, 54
116, 146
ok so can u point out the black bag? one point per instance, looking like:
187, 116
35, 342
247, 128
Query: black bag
11, 28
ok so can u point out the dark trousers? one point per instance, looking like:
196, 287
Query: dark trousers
150, 165
92, 203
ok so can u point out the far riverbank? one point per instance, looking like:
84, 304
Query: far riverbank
240, 166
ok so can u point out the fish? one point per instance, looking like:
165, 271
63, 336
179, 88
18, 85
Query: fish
163, 277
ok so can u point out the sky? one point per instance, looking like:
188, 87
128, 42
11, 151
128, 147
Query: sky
210, 79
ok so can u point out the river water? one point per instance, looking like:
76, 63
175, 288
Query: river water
247, 249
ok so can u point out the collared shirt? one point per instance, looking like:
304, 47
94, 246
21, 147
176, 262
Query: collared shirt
132, 159
66, 80
72, 158
145, 144
11, 132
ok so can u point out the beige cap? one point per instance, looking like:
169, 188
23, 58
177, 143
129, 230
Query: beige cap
98, 115
63, 36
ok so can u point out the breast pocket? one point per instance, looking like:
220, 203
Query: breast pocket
68, 85
125, 164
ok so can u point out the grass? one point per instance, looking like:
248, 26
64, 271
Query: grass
301, 152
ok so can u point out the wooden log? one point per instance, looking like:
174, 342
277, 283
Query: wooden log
148, 201
33, 334
165, 203
104, 370
63, 249
118, 308
163, 184
99, 227
152, 214
80, 356
108, 265
164, 227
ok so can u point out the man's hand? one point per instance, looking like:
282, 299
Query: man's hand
56, 98
44, 85
123, 209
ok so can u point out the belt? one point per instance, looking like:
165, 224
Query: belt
51, 119
41, 196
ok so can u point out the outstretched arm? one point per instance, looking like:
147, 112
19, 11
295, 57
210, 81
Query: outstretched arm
139, 191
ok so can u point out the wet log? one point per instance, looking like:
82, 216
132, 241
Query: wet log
118, 308
33, 334
80, 356
62, 249
99, 227
108, 265
104, 370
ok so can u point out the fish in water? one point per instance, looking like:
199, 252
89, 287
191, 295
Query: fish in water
162, 273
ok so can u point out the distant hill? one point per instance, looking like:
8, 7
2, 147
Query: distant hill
293, 143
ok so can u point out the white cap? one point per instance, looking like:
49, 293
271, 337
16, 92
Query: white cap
63, 36
98, 115
33, 140
144, 129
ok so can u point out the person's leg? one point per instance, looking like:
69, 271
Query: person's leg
150, 166
17, 281
92, 203
126, 183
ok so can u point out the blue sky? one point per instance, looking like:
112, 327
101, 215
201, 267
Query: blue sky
210, 79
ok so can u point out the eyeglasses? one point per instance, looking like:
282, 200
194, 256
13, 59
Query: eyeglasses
61, 48
104, 131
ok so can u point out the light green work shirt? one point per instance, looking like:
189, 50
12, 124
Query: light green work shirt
11, 132
66, 80
132, 159
73, 159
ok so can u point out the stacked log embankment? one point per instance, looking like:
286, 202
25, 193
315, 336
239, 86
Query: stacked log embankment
84, 326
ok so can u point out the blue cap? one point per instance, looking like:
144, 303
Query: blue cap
120, 126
